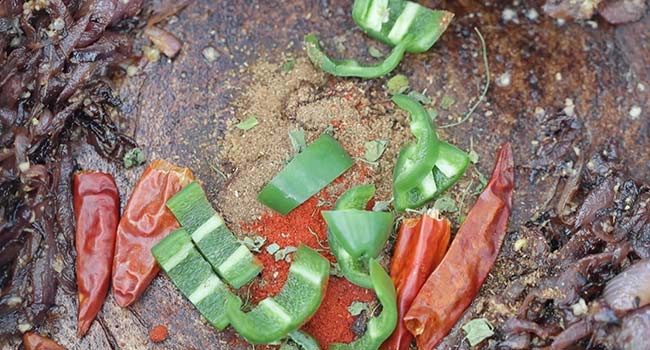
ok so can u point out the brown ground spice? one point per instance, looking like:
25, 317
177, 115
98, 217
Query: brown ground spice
302, 98
284, 101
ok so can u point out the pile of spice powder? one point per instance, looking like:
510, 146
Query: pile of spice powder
304, 99
332, 322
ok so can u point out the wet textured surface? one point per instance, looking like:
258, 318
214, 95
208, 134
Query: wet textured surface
177, 110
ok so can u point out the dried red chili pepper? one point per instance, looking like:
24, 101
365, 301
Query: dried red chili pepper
97, 213
145, 221
32, 341
421, 245
455, 282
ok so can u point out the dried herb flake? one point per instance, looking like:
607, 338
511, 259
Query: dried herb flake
374, 149
134, 157
248, 123
397, 84
375, 52
357, 307
477, 330
297, 138
446, 204
447, 102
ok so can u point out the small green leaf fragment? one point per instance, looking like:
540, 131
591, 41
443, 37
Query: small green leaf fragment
283, 254
329, 130
381, 205
288, 346
374, 149
272, 248
473, 156
335, 270
420, 97
375, 52
357, 307
447, 102
477, 330
288, 65
297, 138
397, 84
481, 178
134, 157
254, 244
248, 123
446, 204
433, 113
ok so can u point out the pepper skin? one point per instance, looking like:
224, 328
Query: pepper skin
352, 68
457, 280
32, 341
355, 269
275, 317
421, 245
97, 213
428, 167
145, 221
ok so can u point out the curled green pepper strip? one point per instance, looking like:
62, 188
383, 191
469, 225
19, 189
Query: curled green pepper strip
404, 25
416, 160
380, 327
428, 167
352, 68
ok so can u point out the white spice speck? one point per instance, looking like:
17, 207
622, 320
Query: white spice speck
509, 15
504, 79
635, 112
558, 76
580, 308
24, 327
592, 24
24, 166
532, 14
131, 70
520, 244
569, 107
14, 301
640, 87
210, 54
560, 22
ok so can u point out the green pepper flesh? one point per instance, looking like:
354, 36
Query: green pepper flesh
310, 171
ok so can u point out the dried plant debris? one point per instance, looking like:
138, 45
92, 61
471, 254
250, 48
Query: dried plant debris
614, 11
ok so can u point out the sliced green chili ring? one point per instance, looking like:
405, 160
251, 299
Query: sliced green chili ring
275, 317
305, 340
419, 159
309, 172
194, 277
389, 21
379, 328
229, 258
352, 68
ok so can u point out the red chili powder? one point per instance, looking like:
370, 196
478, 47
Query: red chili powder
332, 323
158, 334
